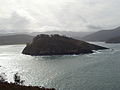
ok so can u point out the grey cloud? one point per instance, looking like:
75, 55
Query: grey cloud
14, 23
61, 14
70, 16
94, 27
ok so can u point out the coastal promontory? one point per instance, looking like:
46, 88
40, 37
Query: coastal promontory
58, 45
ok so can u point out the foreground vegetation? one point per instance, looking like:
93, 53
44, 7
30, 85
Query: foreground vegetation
13, 86
18, 84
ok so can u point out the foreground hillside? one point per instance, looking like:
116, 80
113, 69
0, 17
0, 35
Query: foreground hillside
58, 45
12, 86
15, 39
103, 35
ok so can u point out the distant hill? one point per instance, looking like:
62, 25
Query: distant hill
76, 35
103, 35
114, 40
58, 45
15, 39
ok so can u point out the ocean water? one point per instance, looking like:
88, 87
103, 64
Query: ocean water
97, 71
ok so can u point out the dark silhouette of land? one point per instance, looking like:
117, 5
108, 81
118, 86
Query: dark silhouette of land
14, 38
58, 45
103, 35
13, 86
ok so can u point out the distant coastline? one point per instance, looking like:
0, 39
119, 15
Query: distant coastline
15, 39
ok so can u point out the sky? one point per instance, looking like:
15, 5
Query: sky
62, 15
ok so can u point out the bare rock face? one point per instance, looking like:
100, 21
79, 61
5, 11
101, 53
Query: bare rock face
58, 45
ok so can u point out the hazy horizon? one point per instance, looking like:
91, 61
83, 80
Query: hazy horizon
19, 16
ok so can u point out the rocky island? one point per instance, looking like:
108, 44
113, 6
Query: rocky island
58, 45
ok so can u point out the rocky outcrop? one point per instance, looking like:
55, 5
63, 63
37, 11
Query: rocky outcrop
58, 45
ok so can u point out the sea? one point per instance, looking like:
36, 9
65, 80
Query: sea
97, 71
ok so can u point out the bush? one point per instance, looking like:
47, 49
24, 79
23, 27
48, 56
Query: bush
3, 77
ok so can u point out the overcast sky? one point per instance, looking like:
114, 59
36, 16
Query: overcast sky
46, 15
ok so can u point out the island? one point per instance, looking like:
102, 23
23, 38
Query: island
55, 44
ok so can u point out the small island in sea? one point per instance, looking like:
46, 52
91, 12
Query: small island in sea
58, 45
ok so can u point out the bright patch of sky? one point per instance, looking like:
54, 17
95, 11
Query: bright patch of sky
48, 15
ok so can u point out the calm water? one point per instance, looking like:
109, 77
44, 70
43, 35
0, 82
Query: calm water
98, 71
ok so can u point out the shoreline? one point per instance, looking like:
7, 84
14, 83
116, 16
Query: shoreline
13, 86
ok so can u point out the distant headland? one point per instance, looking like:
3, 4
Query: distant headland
58, 45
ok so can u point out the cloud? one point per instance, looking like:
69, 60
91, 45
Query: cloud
14, 23
92, 27
43, 15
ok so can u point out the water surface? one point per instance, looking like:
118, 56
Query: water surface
97, 71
